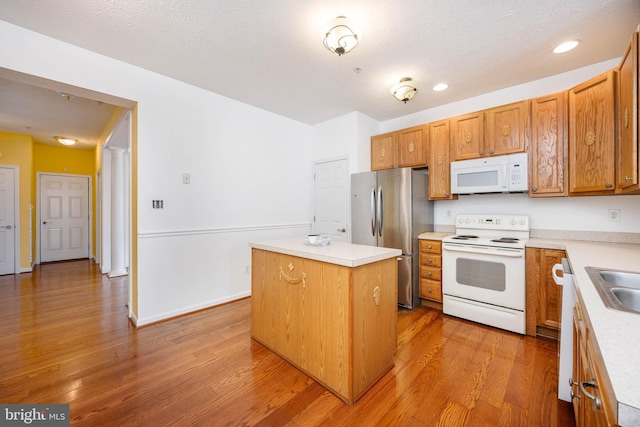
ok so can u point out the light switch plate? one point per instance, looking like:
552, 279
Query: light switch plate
186, 178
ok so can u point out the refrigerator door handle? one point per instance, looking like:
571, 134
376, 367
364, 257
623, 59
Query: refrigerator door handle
380, 212
373, 211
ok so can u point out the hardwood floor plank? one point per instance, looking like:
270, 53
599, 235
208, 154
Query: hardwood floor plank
65, 338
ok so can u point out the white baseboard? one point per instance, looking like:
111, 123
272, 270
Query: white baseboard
185, 310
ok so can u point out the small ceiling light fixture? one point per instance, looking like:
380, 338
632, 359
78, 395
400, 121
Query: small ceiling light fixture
65, 141
566, 46
440, 86
404, 90
340, 36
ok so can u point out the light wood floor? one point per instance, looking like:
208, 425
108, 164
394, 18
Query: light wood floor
65, 338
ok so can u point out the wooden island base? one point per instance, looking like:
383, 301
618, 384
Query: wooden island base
334, 322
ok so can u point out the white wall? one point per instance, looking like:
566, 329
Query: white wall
346, 136
585, 213
250, 172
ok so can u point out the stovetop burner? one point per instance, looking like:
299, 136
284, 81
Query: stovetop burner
506, 240
464, 237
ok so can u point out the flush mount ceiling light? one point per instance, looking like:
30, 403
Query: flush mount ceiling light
440, 86
340, 36
65, 141
404, 90
566, 46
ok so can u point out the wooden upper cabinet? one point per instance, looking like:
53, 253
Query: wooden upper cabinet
548, 156
468, 136
440, 161
592, 136
383, 151
413, 145
627, 152
507, 129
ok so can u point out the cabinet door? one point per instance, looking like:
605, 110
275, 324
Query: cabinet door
468, 136
627, 154
440, 161
548, 146
507, 128
413, 146
549, 294
383, 151
591, 136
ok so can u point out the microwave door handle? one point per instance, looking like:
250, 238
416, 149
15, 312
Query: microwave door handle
373, 212
380, 211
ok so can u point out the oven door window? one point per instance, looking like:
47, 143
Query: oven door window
481, 274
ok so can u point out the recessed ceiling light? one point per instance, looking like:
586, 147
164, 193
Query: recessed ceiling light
566, 46
65, 141
440, 86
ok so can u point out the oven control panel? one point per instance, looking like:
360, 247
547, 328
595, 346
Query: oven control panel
493, 222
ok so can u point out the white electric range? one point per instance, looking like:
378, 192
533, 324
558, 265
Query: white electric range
483, 270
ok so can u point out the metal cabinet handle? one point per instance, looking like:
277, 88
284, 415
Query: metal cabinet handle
534, 189
342, 230
628, 178
571, 393
592, 383
490, 151
608, 185
430, 260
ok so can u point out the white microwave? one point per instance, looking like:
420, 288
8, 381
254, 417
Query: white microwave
497, 174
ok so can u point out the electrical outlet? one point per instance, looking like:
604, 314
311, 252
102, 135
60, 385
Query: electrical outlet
614, 215
186, 178
247, 269
158, 204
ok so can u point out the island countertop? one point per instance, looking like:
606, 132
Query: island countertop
346, 254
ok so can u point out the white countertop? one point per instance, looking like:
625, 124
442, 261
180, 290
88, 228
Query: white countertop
617, 333
433, 235
346, 254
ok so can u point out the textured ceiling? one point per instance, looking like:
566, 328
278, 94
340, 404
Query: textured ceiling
269, 53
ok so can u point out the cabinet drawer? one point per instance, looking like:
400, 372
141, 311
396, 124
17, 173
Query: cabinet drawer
431, 289
430, 273
430, 260
431, 246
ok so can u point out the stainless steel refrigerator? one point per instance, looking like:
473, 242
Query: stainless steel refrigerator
390, 208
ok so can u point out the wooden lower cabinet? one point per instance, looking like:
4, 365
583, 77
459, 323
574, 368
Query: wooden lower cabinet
595, 409
431, 270
544, 297
337, 324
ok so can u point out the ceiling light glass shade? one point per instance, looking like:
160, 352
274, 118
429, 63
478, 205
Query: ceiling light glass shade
404, 90
65, 141
566, 46
340, 36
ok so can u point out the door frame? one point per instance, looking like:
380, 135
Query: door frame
38, 208
16, 219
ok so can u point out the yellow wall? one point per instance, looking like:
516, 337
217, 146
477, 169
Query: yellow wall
68, 160
17, 150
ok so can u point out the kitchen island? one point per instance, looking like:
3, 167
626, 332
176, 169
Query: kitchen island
331, 311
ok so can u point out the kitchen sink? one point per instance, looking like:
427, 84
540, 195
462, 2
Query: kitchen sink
619, 290
621, 278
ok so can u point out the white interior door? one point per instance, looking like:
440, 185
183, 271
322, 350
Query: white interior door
64, 217
7, 221
332, 199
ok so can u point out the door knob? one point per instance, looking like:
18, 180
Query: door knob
8, 227
44, 222
342, 230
